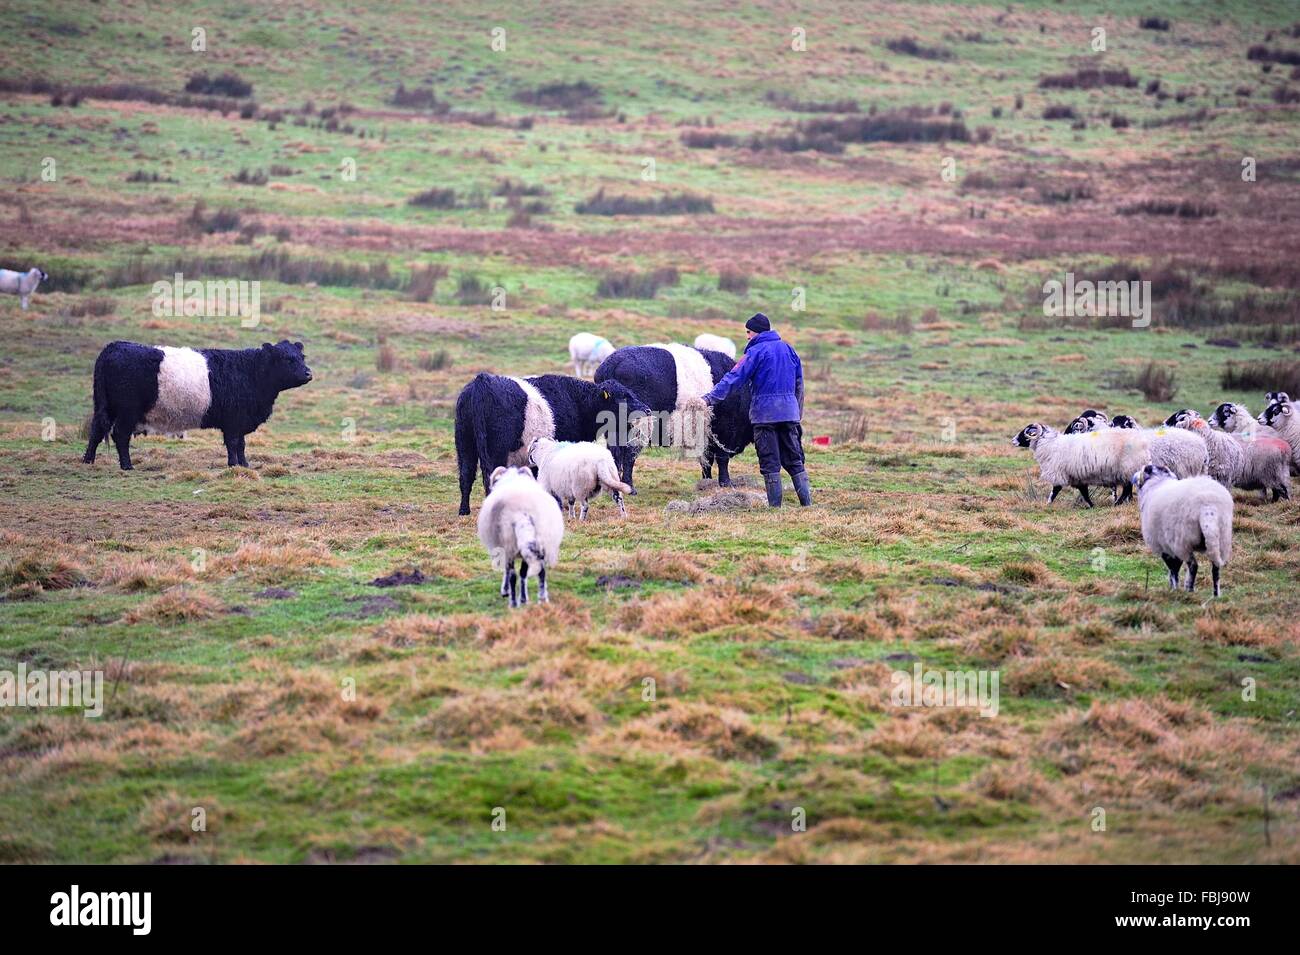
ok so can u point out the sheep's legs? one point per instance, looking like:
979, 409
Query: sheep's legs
510, 572
1083, 493
523, 581
1056, 489
1281, 494
618, 499
1126, 496
544, 597
1214, 575
505, 582
1175, 567
1191, 575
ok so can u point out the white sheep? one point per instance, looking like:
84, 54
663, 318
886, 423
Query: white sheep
1236, 419
1181, 517
1283, 419
587, 352
1270, 399
519, 520
1233, 461
574, 472
22, 284
716, 343
1107, 457
1180, 451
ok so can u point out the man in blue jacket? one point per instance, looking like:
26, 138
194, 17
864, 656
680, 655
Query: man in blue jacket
775, 374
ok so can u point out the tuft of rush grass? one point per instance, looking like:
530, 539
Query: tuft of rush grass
706, 666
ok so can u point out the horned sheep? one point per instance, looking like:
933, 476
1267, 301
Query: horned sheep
1283, 418
1107, 457
1233, 461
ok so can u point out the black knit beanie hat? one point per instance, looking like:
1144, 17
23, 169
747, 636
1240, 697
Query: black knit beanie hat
759, 324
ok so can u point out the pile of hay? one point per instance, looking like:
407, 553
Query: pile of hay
726, 499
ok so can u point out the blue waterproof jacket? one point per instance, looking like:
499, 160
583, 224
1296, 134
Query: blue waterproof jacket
775, 375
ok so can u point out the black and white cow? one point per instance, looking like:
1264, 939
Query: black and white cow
497, 418
666, 375
167, 390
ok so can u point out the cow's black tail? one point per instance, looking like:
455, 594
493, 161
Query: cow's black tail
471, 436
101, 423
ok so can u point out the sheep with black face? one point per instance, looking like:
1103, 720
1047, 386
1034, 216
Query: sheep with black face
168, 390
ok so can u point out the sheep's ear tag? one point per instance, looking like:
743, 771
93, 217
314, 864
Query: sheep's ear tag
605, 395
1160, 430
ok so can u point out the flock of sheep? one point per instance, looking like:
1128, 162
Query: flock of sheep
1184, 471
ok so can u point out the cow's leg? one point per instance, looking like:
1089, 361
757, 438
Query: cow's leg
706, 464
232, 443
97, 434
122, 431
724, 472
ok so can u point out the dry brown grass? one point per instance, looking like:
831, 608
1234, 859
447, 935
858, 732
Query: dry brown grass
178, 605
676, 726
754, 608
272, 563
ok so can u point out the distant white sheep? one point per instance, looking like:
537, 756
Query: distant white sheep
574, 472
716, 343
22, 284
587, 352
1181, 517
520, 521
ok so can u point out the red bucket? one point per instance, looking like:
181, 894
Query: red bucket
822, 440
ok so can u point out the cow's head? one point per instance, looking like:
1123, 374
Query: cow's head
287, 368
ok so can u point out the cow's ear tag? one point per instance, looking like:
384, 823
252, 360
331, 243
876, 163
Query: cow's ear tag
606, 395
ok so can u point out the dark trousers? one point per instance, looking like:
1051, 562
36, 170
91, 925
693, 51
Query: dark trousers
779, 446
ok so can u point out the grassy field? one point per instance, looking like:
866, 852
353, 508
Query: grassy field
255, 671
